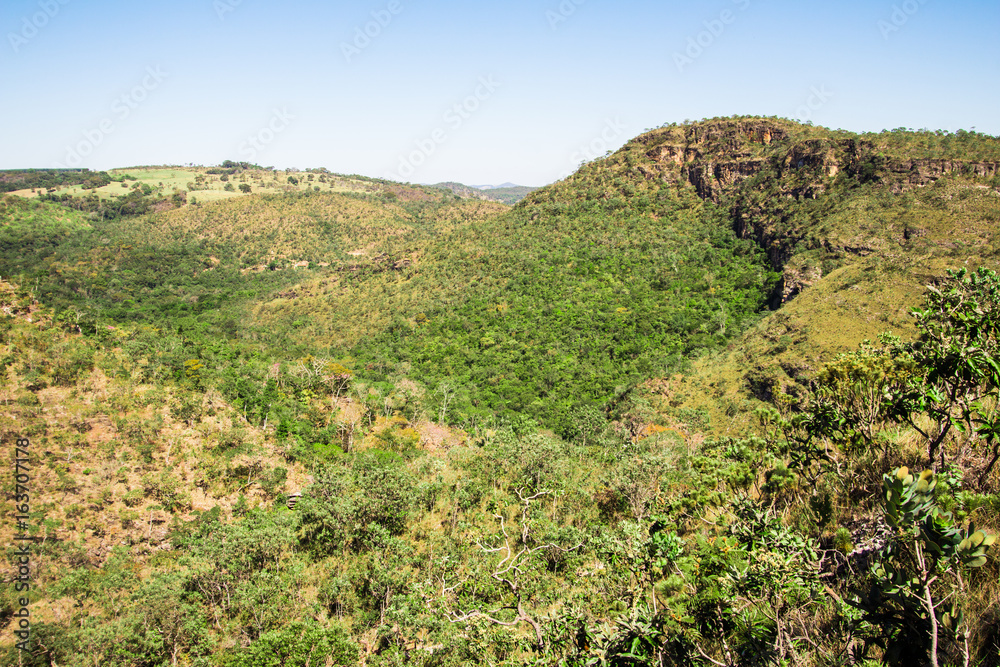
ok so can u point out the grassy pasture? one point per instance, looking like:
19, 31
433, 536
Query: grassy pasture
206, 187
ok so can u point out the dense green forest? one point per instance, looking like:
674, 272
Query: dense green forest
725, 397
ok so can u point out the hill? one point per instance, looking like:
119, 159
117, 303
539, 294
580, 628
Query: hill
856, 224
411, 278
27, 182
505, 194
141, 190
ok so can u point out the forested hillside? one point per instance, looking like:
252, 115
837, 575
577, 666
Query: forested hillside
509, 194
724, 397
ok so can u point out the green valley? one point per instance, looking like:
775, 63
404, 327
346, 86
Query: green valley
726, 396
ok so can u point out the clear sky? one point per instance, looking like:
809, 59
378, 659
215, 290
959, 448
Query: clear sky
477, 92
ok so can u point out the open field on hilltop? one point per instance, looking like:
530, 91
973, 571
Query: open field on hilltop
206, 187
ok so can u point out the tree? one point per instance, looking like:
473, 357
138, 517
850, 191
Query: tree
244, 188
945, 385
959, 352
357, 507
299, 644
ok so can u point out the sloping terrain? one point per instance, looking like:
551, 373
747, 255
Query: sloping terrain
856, 224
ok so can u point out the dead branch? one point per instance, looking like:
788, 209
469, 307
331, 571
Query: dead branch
508, 573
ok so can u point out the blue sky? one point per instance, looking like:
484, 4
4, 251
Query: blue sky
480, 93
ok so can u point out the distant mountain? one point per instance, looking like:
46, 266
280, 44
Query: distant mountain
508, 193
495, 187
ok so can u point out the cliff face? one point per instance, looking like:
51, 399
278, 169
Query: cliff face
754, 166
925, 172
711, 158
716, 157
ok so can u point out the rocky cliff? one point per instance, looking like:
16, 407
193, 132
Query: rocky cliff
757, 167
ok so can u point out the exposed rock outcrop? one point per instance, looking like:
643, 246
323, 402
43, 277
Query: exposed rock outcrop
717, 158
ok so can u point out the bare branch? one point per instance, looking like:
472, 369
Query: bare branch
705, 656
508, 572
530, 498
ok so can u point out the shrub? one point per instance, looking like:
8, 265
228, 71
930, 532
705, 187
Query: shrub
358, 506
299, 644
